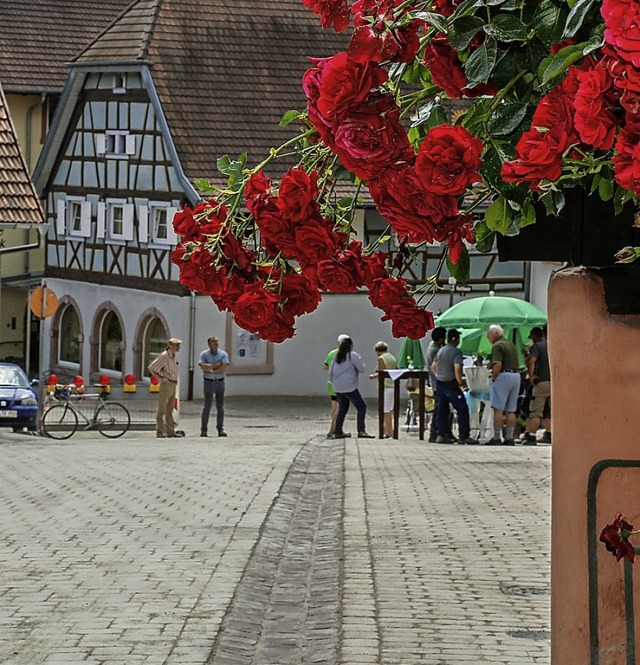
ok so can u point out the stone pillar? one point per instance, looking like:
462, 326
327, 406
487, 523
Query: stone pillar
595, 361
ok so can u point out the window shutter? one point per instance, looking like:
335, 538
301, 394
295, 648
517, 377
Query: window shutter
172, 238
130, 144
61, 218
127, 219
101, 144
85, 225
100, 219
143, 224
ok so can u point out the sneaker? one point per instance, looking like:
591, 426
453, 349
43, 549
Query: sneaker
468, 441
331, 435
529, 440
493, 442
203, 433
222, 434
445, 439
433, 438
508, 442
546, 437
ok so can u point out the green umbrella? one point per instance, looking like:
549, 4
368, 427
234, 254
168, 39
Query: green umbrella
411, 353
479, 312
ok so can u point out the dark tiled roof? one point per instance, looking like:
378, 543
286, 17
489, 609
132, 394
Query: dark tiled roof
39, 37
226, 71
19, 203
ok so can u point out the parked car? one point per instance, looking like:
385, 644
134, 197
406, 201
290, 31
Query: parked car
18, 398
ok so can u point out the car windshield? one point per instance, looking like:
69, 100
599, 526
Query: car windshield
13, 376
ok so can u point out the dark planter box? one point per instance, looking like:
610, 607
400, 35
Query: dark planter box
587, 233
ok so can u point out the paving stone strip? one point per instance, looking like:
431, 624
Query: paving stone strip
287, 606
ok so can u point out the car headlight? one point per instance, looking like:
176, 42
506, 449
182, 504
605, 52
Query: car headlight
29, 401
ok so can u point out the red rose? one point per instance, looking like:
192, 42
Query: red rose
556, 110
388, 291
299, 293
205, 219
371, 138
374, 267
615, 538
278, 330
231, 288
342, 85
445, 67
341, 274
255, 308
409, 320
459, 229
540, 156
595, 122
627, 162
297, 195
333, 13
313, 243
276, 232
257, 191
448, 160
622, 28
408, 207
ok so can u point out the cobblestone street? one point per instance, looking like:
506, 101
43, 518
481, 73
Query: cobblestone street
274, 545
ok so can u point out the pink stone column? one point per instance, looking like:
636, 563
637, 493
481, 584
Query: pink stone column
595, 364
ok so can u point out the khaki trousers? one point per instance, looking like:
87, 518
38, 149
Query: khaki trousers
165, 424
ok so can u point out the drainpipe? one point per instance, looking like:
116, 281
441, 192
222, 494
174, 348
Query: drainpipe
192, 343
29, 143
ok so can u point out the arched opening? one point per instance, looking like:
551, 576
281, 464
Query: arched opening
154, 341
69, 336
110, 343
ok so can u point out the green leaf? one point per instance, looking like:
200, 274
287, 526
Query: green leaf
223, 164
289, 117
484, 237
499, 215
553, 202
461, 270
551, 68
464, 30
506, 119
204, 186
506, 28
438, 21
528, 215
481, 62
430, 114
605, 189
549, 21
576, 17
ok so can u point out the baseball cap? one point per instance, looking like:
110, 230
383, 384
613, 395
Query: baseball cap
342, 337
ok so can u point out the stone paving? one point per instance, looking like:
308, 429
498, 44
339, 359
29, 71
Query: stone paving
272, 546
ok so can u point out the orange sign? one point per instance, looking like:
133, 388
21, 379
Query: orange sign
43, 302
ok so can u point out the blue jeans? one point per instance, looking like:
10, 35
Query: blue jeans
343, 407
450, 393
212, 388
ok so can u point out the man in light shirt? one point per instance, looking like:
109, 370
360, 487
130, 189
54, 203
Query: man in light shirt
165, 369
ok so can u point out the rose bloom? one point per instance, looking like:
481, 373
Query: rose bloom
343, 84
297, 194
371, 138
279, 329
255, 308
231, 289
374, 267
409, 208
457, 230
344, 273
626, 163
300, 294
555, 111
388, 291
622, 28
540, 156
409, 320
595, 122
445, 67
314, 242
333, 13
614, 536
448, 160
257, 191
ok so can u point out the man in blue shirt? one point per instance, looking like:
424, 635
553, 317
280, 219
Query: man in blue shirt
213, 363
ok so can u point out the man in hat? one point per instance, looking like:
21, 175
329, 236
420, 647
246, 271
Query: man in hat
540, 377
165, 369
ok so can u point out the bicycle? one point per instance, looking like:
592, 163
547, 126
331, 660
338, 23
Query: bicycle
61, 420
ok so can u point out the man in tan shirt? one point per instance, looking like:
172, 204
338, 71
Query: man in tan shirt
165, 369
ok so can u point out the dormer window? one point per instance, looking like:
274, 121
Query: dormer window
119, 84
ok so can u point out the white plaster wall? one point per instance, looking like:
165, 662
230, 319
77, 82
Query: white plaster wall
540, 275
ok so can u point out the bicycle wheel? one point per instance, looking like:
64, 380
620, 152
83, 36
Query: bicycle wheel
59, 421
112, 420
